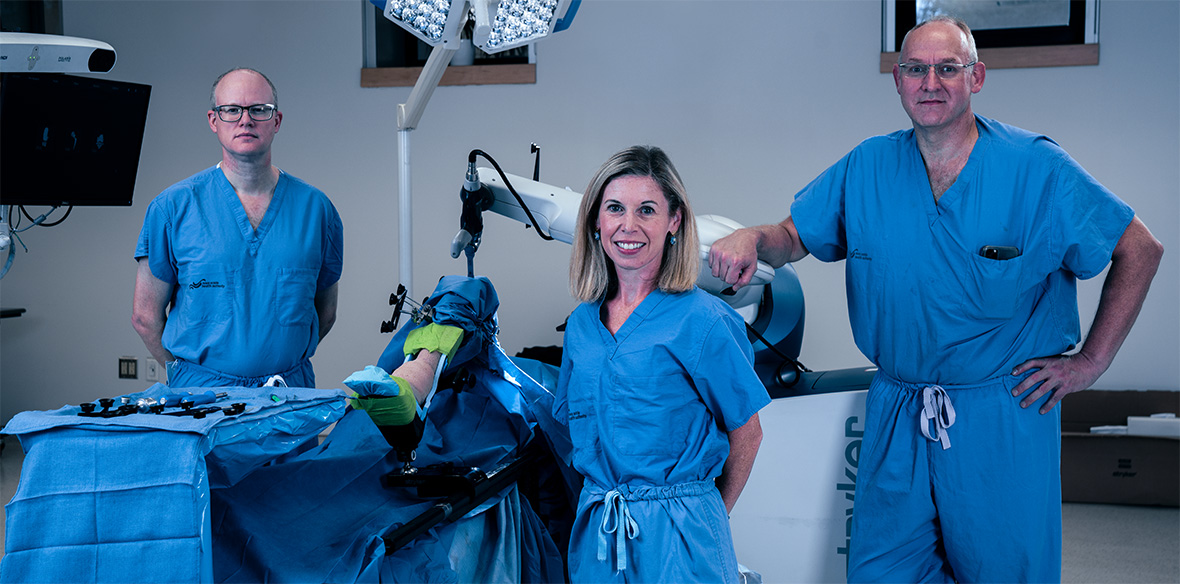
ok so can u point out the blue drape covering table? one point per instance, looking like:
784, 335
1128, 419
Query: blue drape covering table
126, 499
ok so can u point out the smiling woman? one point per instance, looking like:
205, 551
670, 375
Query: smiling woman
593, 274
657, 386
635, 220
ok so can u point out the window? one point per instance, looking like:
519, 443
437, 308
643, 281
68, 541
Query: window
394, 58
1008, 34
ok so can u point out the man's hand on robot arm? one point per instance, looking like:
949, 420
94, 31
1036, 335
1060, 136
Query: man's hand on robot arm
734, 258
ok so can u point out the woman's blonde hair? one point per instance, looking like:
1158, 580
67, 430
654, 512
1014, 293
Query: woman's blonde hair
592, 274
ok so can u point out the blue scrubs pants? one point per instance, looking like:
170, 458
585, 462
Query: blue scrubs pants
183, 373
986, 509
660, 534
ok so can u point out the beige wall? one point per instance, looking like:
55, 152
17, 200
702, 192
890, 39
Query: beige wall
750, 107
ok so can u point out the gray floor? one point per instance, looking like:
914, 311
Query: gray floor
1102, 543
1120, 543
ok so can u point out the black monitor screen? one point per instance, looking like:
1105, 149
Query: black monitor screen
67, 140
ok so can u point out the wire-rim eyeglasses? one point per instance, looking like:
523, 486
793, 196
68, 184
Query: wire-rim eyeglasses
942, 70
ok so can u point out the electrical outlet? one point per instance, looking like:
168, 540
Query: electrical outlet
128, 368
151, 370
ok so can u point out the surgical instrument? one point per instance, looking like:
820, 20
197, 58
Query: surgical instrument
180, 399
198, 413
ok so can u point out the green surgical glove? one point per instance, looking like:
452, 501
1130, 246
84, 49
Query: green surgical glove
395, 410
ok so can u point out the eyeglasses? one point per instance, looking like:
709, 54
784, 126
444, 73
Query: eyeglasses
258, 112
943, 70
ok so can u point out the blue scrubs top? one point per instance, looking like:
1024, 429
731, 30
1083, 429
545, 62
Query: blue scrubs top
925, 306
243, 301
650, 406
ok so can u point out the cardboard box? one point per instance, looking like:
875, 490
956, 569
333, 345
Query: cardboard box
1112, 468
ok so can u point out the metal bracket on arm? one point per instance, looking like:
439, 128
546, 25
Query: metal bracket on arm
410, 112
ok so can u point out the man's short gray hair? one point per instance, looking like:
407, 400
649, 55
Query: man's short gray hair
274, 93
972, 54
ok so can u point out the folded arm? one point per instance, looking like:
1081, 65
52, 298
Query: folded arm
743, 448
325, 308
149, 311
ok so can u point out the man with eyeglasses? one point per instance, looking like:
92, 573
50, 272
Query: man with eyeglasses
238, 264
963, 239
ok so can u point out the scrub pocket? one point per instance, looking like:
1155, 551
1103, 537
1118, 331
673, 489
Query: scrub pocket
207, 295
582, 417
294, 296
992, 287
651, 415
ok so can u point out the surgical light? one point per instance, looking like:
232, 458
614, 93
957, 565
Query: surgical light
518, 22
514, 22
439, 23
432, 21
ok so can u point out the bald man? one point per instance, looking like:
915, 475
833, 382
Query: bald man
963, 239
238, 264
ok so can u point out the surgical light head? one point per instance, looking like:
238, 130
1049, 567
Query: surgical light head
432, 21
499, 24
519, 22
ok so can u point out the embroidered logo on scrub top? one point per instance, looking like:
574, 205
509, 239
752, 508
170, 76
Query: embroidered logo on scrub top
860, 255
203, 283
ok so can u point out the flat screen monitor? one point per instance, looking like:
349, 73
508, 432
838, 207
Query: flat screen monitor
69, 140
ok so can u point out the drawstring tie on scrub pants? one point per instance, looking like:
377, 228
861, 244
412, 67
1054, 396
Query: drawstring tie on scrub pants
616, 519
937, 408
